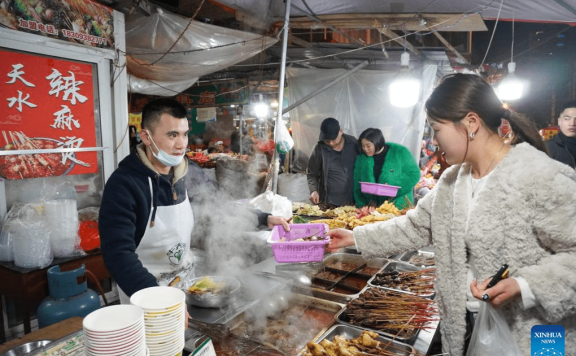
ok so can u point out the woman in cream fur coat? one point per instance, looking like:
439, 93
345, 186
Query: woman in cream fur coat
497, 204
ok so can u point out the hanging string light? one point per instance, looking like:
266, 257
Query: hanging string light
511, 87
261, 108
405, 88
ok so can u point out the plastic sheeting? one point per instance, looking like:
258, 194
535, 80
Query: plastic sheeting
520, 10
203, 49
358, 102
158, 87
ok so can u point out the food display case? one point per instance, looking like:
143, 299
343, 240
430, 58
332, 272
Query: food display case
340, 277
278, 278
348, 332
392, 314
406, 278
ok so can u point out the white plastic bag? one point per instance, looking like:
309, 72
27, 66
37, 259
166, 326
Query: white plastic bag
274, 204
284, 142
294, 187
31, 238
491, 335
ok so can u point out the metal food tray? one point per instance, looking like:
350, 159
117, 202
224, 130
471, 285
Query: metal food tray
344, 258
327, 293
342, 319
378, 263
350, 332
408, 255
298, 299
400, 267
289, 269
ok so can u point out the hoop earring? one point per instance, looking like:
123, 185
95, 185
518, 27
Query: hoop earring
471, 134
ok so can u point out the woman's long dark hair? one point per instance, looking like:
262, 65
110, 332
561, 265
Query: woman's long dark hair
373, 135
459, 94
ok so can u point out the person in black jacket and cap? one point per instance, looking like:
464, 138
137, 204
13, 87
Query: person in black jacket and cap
562, 147
331, 166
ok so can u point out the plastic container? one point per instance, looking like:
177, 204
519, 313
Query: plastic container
379, 189
300, 251
62, 219
6, 245
31, 244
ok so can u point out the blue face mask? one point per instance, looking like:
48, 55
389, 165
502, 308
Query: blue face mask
163, 157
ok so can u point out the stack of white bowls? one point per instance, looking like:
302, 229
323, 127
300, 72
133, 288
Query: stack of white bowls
164, 319
115, 330
62, 218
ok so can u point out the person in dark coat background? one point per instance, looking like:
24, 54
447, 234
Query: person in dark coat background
562, 147
331, 166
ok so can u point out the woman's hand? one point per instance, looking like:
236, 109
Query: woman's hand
502, 293
339, 238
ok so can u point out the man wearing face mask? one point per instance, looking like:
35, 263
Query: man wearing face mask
145, 217
146, 220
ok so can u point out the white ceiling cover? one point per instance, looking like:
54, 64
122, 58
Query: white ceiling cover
521, 10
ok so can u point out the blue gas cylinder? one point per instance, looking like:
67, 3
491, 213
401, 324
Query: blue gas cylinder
69, 296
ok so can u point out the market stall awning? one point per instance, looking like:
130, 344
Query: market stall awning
521, 10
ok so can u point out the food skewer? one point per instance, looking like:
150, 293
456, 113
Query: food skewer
27, 141
390, 311
5, 137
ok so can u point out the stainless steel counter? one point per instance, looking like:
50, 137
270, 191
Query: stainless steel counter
249, 296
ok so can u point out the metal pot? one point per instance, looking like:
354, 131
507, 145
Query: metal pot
212, 300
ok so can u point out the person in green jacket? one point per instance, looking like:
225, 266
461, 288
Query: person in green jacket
391, 163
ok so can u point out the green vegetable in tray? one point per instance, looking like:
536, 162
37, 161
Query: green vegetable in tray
206, 284
297, 219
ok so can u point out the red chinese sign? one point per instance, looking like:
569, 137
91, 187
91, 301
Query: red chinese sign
46, 103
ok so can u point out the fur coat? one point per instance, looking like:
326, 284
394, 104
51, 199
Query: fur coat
525, 216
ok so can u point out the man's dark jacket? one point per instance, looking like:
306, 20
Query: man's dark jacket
558, 150
318, 166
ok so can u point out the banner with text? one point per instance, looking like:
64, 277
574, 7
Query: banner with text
47, 103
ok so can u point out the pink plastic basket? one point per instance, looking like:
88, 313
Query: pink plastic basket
379, 189
300, 251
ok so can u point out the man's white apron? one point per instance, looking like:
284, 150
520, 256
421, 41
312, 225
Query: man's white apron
165, 248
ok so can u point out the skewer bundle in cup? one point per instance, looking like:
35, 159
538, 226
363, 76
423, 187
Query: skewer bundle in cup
115, 330
164, 319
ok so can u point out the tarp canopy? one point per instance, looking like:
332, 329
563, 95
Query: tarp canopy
520, 10
202, 49
358, 102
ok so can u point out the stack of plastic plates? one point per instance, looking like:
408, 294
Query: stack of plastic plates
164, 313
115, 330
